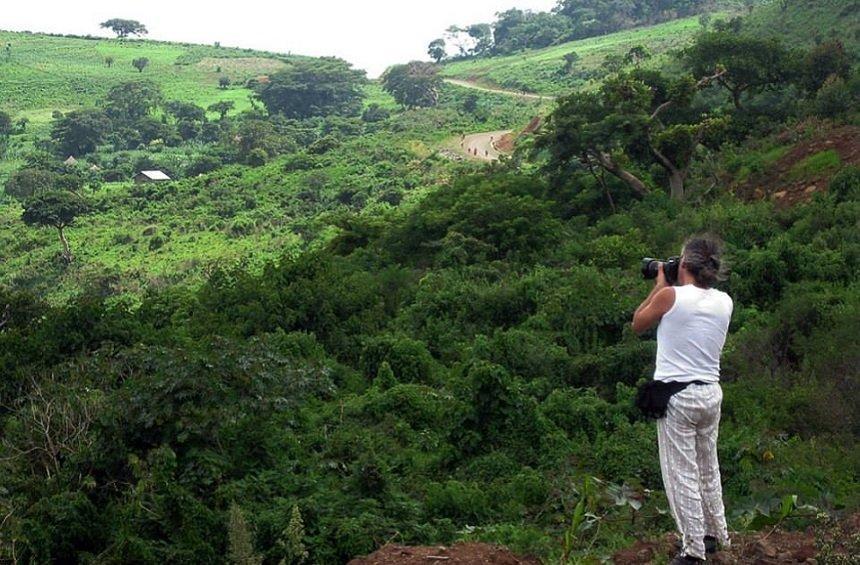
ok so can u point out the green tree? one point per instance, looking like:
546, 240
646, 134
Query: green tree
240, 540
317, 87
130, 101
516, 29
629, 122
109, 60
29, 181
415, 84
140, 63
752, 64
221, 107
223, 82
79, 132
185, 111
123, 28
570, 59
255, 134
57, 209
636, 55
436, 49
375, 113
826, 60
482, 34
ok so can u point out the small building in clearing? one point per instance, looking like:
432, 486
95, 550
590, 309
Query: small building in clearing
150, 176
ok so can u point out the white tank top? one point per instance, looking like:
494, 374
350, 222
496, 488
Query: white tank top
691, 335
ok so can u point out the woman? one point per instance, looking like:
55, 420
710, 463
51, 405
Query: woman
693, 319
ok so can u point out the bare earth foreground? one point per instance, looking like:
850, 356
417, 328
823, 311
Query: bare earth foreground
839, 544
460, 554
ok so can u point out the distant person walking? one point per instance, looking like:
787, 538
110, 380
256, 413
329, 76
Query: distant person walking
693, 320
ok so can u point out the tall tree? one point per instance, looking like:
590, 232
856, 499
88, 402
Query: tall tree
436, 49
140, 63
752, 64
482, 34
317, 87
634, 120
221, 107
57, 209
124, 28
79, 132
185, 111
415, 84
823, 61
131, 101
29, 181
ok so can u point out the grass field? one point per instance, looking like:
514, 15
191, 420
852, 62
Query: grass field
541, 70
43, 73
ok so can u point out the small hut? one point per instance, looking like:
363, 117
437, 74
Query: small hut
150, 176
71, 161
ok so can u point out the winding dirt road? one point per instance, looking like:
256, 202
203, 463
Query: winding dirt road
475, 86
481, 146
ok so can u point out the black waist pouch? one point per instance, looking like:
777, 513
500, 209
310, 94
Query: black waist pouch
652, 398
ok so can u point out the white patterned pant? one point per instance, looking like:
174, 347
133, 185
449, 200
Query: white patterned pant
687, 439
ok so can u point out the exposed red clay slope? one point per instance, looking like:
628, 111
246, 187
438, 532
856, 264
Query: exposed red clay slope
776, 183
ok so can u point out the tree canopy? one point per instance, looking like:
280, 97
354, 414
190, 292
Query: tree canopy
56, 209
124, 28
753, 64
79, 132
132, 101
415, 84
314, 88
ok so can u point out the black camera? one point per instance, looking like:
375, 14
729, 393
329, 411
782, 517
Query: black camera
670, 268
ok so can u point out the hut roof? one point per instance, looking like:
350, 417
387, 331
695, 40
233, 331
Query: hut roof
154, 175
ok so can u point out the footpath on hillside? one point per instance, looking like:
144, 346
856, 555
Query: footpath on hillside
489, 145
476, 86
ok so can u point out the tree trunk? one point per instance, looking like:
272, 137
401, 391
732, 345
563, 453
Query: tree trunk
676, 185
736, 98
615, 169
67, 253
676, 176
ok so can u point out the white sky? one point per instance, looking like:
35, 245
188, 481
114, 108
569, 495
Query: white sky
371, 34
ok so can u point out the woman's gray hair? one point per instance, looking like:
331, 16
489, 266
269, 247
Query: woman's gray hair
703, 257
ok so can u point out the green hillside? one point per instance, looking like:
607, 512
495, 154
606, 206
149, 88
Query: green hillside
141, 237
542, 70
801, 24
47, 72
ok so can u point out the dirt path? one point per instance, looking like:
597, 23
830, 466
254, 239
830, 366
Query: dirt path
475, 86
481, 146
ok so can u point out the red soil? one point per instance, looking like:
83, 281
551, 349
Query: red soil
470, 553
776, 184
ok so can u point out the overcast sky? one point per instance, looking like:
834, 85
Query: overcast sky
371, 34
